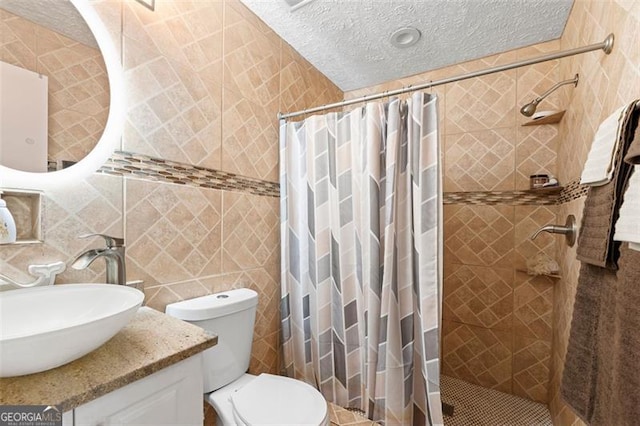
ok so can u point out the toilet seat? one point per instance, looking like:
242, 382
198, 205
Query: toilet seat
277, 400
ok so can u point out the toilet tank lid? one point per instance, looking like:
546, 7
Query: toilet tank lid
214, 305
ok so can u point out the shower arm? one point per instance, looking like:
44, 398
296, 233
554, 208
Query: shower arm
553, 88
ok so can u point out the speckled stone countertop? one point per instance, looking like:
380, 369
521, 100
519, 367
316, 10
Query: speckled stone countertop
150, 342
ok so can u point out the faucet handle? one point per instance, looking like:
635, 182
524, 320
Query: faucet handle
110, 241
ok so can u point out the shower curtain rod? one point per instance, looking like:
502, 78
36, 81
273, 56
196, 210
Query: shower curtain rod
606, 46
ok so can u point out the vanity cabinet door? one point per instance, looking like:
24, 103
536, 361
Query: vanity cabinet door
172, 396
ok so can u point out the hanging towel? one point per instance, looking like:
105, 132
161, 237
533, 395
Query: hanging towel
628, 224
601, 377
580, 373
595, 239
600, 165
633, 153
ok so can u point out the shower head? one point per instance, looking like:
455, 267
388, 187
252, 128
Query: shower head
529, 109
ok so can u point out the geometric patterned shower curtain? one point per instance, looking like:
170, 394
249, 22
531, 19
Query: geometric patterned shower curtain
361, 210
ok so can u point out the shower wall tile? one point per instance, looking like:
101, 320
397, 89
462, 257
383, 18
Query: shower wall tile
529, 219
478, 295
173, 232
245, 13
533, 306
302, 85
250, 145
477, 355
536, 79
565, 290
481, 103
173, 112
188, 32
564, 296
251, 232
480, 161
531, 361
606, 83
479, 235
535, 153
264, 356
251, 59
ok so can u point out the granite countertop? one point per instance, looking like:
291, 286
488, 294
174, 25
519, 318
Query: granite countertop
150, 342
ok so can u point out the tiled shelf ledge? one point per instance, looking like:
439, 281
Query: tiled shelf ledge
546, 190
26, 208
535, 197
549, 119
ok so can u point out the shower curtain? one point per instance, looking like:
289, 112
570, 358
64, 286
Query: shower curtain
361, 248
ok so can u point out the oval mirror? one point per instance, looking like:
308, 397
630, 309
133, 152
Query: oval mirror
60, 91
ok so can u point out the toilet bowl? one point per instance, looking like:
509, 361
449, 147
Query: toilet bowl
269, 400
241, 399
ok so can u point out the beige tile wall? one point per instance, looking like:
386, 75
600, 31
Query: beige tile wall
497, 322
606, 82
204, 82
77, 83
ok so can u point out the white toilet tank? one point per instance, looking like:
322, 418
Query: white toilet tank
231, 316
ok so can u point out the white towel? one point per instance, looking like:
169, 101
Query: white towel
628, 223
598, 169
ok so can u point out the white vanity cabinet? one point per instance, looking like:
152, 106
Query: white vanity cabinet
172, 396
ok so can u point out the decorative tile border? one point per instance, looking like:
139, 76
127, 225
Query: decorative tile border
572, 191
517, 198
144, 167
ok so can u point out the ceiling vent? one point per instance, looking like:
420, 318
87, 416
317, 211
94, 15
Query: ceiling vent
405, 37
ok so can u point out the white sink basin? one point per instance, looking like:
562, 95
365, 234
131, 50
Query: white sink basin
44, 328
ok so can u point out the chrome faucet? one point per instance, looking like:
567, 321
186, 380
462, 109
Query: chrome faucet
113, 255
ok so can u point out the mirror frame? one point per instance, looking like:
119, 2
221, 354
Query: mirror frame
111, 137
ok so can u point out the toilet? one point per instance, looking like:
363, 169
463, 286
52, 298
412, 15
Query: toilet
239, 398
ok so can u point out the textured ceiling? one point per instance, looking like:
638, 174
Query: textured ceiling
58, 15
348, 40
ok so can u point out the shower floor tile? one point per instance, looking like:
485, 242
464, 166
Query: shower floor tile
343, 417
473, 406
478, 406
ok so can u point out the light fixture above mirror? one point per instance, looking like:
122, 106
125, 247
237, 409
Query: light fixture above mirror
110, 139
